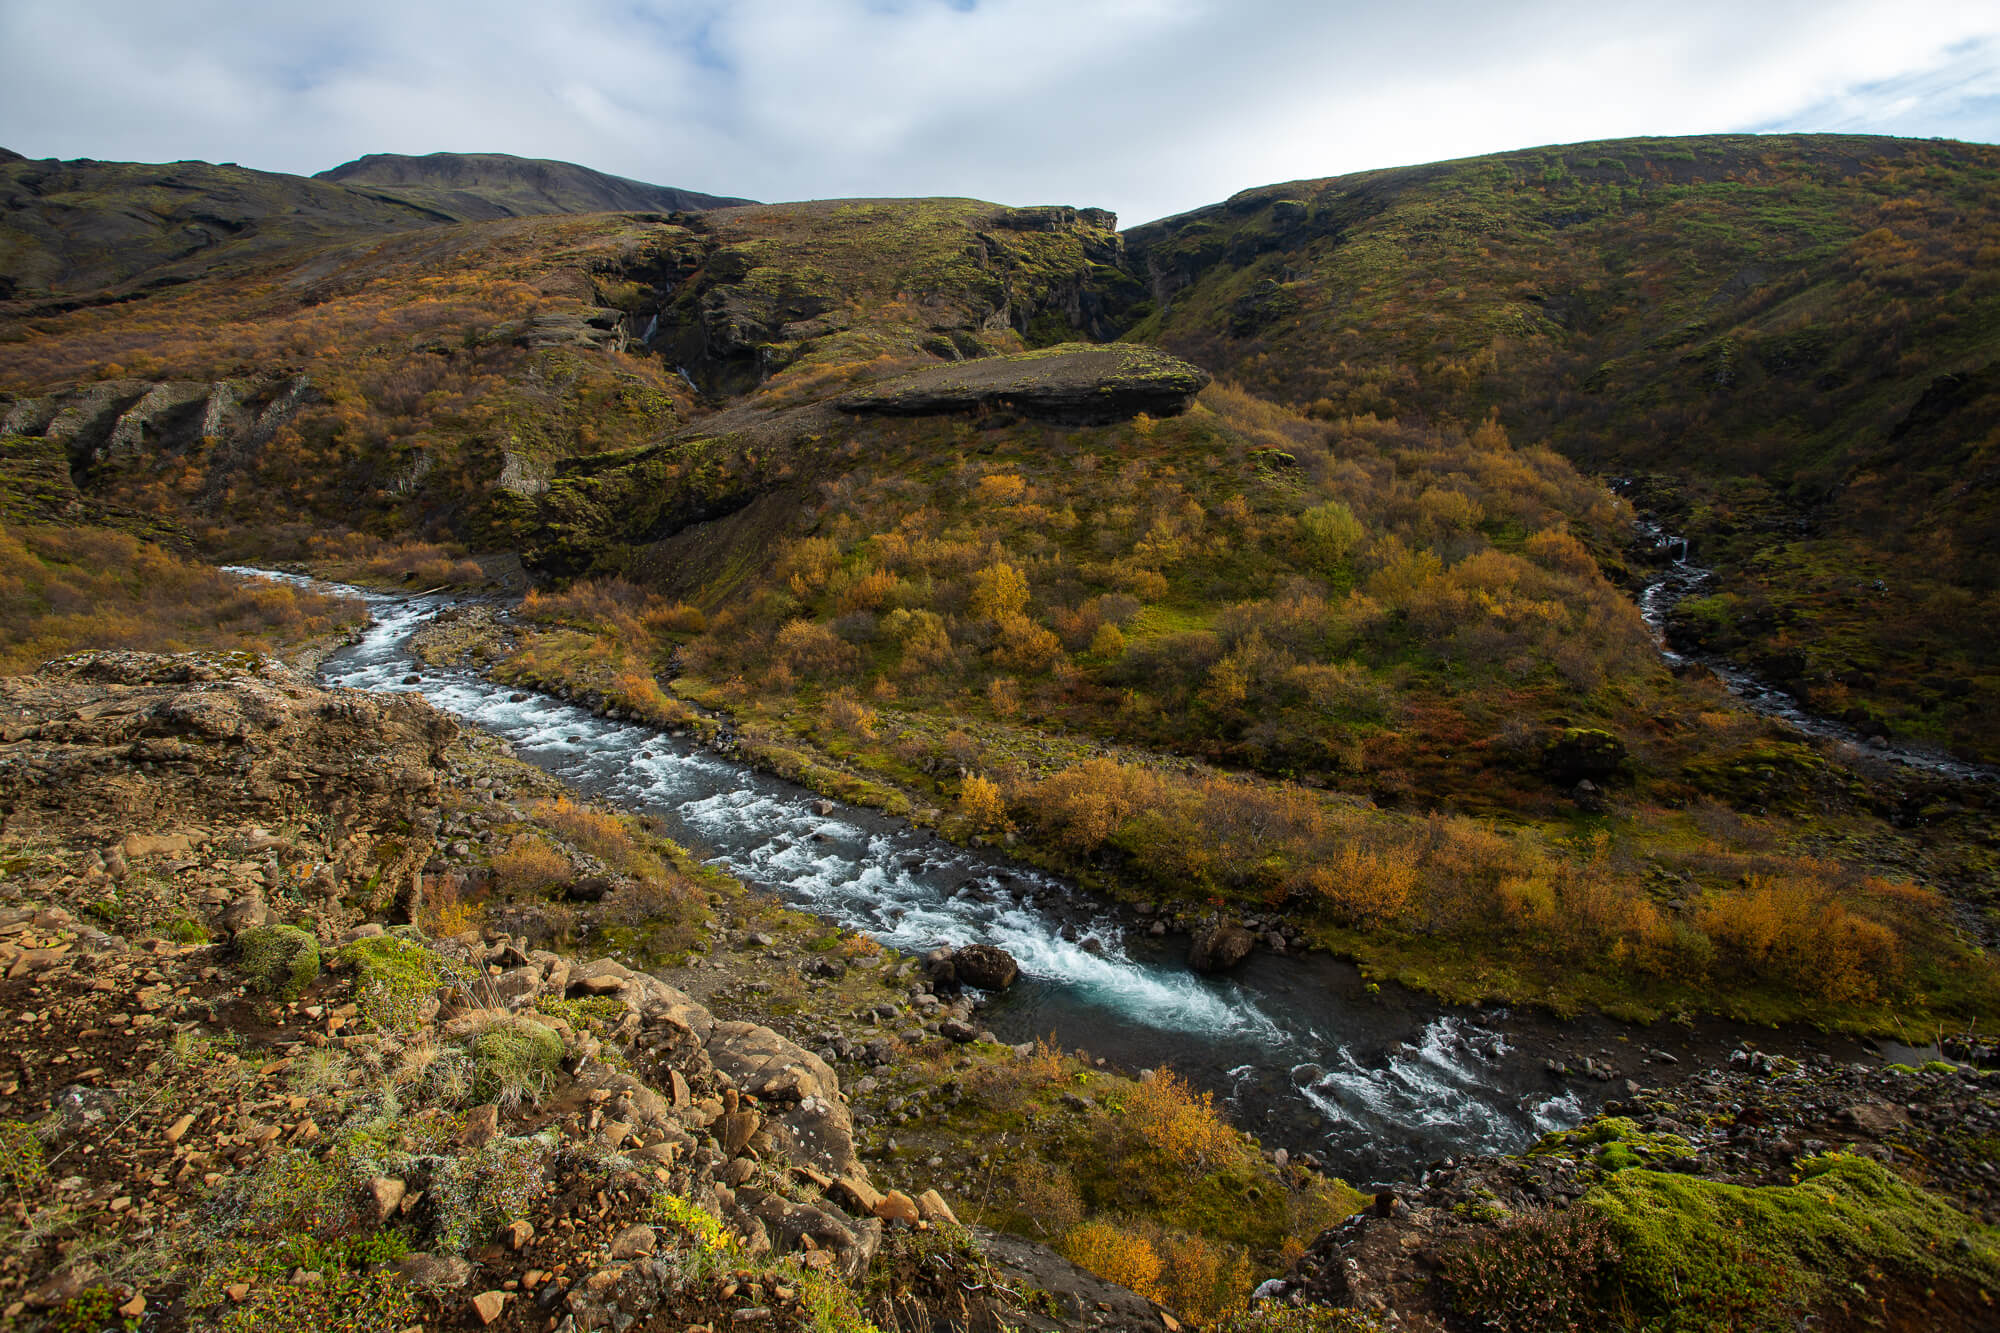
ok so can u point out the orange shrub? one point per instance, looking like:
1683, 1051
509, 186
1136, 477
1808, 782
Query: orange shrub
999, 591
1367, 889
1116, 1256
812, 649
530, 866
984, 808
1179, 1122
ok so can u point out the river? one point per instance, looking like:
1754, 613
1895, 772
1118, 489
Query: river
1376, 1083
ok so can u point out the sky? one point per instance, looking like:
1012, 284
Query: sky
1147, 107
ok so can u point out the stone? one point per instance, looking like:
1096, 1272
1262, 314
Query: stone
735, 1130
248, 912
856, 1192
517, 1234
634, 1242
896, 1206
986, 966
1073, 383
958, 1030
385, 1196
933, 1209
435, 1272
482, 1126
137, 845
488, 1305
1219, 946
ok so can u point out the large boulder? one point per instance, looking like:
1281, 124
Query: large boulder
1220, 945
986, 966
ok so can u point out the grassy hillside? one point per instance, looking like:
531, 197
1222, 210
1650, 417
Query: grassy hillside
1800, 331
75, 229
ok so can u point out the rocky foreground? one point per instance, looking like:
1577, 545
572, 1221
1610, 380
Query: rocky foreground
240, 1089
243, 1089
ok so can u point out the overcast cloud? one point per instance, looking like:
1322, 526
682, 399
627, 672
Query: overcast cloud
1149, 107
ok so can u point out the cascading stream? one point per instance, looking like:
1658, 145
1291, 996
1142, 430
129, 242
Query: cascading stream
1376, 1085
1683, 578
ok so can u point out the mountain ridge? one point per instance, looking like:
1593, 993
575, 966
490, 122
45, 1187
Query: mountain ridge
479, 186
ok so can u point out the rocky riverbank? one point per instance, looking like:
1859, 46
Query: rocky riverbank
1844, 1195
244, 1089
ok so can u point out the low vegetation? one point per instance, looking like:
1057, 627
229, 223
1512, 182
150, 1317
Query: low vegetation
63, 589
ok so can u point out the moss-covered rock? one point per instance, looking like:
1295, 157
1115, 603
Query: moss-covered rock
396, 982
515, 1061
1072, 382
1703, 1254
279, 960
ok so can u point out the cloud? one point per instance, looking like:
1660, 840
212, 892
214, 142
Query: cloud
1146, 106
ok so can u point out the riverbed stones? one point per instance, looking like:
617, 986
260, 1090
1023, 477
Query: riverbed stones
986, 966
1219, 945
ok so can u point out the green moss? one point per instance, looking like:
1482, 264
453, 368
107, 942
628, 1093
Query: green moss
515, 1061
394, 977
279, 960
1613, 1144
1701, 1255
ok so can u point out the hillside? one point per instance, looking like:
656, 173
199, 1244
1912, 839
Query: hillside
84, 230
1256, 570
1798, 333
471, 187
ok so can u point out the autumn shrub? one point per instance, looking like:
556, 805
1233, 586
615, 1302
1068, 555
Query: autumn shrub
1116, 1255
1179, 1122
982, 805
813, 650
531, 865
1539, 1270
1201, 1278
1364, 888
845, 714
63, 590
1800, 935
998, 592
1045, 1195
447, 908
599, 832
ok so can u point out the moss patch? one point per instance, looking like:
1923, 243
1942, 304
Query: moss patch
1704, 1255
394, 978
279, 960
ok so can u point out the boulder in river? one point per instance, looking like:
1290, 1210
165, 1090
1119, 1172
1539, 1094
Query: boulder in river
985, 966
1220, 945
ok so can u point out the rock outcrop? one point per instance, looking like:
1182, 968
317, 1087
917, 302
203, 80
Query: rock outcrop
1766, 1123
1074, 383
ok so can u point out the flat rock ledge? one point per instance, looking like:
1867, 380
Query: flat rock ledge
1074, 384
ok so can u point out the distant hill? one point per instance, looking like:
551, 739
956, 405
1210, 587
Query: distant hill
87, 227
93, 230
476, 186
